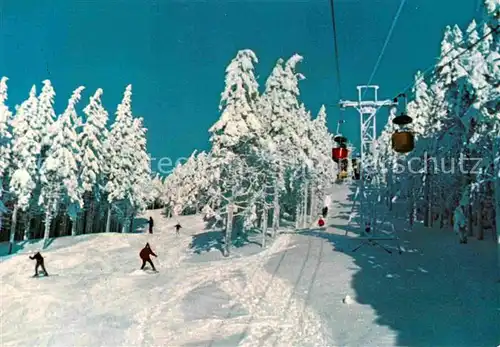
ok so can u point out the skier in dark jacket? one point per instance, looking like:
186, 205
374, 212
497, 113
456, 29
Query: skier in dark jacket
39, 262
177, 227
324, 212
144, 254
367, 227
151, 223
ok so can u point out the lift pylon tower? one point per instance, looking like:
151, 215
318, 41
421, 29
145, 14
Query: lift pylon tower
368, 195
367, 113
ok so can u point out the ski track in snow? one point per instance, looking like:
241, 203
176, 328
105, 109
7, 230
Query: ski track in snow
254, 272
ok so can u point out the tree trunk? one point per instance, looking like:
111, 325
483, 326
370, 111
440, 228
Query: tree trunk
64, 224
48, 222
229, 229
265, 213
297, 216
74, 226
82, 223
426, 200
131, 223
12, 228
479, 221
389, 186
89, 216
442, 208
276, 210
313, 205
411, 208
27, 226
125, 220
304, 208
497, 196
470, 227
108, 219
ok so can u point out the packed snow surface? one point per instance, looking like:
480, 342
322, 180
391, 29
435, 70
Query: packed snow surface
436, 293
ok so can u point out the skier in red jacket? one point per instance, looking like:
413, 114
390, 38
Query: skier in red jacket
144, 254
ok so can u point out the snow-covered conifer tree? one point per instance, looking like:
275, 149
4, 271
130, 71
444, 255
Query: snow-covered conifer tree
285, 121
323, 170
138, 196
59, 172
239, 130
93, 161
5, 136
26, 149
5, 139
420, 107
92, 140
118, 154
46, 114
128, 162
238, 125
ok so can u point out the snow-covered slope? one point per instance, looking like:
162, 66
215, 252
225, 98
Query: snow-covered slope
97, 296
306, 289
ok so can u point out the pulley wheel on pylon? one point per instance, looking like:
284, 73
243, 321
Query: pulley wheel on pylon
340, 139
402, 119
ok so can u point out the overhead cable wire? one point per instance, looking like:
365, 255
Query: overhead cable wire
388, 37
439, 68
335, 38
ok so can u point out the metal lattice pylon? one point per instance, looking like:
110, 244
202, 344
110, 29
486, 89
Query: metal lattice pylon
367, 110
365, 194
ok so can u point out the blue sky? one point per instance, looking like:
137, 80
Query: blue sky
174, 53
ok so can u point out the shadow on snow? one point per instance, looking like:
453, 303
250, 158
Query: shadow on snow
436, 293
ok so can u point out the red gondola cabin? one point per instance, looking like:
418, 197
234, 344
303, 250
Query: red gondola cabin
339, 153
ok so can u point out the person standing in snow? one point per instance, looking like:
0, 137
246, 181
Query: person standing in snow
145, 256
326, 203
39, 262
151, 223
368, 228
177, 227
324, 211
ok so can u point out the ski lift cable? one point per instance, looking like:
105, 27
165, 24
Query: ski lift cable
388, 37
478, 5
335, 37
433, 66
337, 62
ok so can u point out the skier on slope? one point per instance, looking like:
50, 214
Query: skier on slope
39, 262
326, 203
177, 227
324, 211
151, 223
144, 254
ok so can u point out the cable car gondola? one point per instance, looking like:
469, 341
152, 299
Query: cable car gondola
340, 152
340, 155
403, 140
